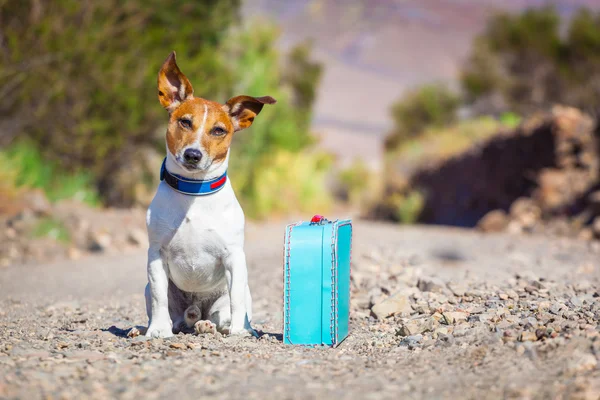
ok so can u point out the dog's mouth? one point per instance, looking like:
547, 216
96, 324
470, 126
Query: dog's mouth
190, 166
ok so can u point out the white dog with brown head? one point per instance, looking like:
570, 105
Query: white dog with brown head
197, 276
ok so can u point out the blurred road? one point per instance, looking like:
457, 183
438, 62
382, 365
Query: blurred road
63, 326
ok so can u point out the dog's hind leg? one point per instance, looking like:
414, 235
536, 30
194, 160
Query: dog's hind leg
219, 313
179, 303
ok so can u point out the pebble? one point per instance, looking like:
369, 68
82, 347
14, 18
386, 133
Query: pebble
527, 336
431, 284
397, 304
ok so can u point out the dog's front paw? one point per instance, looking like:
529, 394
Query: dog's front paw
159, 331
205, 327
249, 332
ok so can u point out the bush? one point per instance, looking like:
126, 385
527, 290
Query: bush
280, 132
78, 79
427, 106
288, 182
523, 61
355, 183
24, 167
82, 75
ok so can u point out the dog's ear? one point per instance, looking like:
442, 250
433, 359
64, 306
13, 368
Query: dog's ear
243, 109
173, 86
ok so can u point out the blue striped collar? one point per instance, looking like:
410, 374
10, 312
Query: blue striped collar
192, 187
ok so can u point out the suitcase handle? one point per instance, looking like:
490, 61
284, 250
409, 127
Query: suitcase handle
319, 220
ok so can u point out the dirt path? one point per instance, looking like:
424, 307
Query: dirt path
478, 317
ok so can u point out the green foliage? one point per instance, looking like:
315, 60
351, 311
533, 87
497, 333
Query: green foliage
510, 120
53, 229
288, 182
26, 167
427, 106
524, 61
79, 77
437, 144
408, 206
280, 132
355, 182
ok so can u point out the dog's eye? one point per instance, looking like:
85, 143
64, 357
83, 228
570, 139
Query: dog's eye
185, 123
218, 131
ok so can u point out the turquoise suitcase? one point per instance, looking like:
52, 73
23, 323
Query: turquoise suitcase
317, 282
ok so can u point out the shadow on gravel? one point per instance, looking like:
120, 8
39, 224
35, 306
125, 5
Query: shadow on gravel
277, 336
448, 255
121, 332
124, 333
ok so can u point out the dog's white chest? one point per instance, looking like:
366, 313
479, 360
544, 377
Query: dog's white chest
195, 258
197, 235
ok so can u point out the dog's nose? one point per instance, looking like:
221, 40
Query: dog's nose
192, 156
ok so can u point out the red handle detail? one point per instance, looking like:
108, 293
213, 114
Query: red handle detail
316, 219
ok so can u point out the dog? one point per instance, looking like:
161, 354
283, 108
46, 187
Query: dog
197, 276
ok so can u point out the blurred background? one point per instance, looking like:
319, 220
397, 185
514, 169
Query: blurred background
470, 113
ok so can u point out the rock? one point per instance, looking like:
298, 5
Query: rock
431, 284
525, 211
397, 304
418, 326
596, 227
493, 221
74, 253
581, 362
527, 336
457, 289
576, 301
452, 317
38, 203
178, 346
99, 241
138, 237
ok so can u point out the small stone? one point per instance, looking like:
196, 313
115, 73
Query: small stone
178, 346
596, 227
397, 304
576, 301
99, 241
541, 333
453, 317
62, 345
582, 362
503, 296
138, 237
431, 284
408, 329
527, 336
494, 221
457, 289
74, 253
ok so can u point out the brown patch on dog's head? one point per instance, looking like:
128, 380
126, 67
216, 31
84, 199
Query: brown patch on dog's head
202, 124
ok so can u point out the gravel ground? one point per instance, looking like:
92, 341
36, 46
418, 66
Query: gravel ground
436, 313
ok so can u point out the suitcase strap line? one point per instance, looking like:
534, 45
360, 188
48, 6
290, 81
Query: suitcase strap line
334, 301
287, 280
